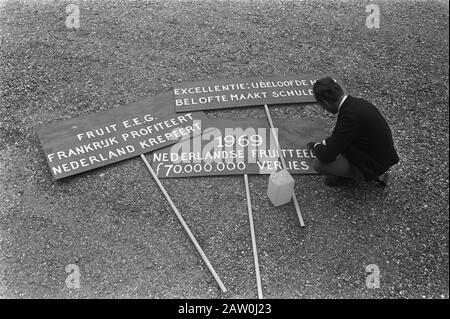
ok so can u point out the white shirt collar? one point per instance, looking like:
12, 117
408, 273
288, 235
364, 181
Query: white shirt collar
342, 102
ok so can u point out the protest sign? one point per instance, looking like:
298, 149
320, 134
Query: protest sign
228, 147
241, 92
94, 140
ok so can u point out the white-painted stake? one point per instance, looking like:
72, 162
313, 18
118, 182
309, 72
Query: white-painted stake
185, 226
294, 198
252, 232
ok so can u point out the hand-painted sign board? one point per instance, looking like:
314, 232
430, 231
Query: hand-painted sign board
228, 147
94, 140
241, 92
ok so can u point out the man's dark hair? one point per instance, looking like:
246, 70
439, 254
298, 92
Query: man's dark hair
327, 89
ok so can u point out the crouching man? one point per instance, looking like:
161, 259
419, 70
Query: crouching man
360, 147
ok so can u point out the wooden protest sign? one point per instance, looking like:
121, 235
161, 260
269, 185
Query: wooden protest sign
241, 92
86, 142
228, 147
94, 140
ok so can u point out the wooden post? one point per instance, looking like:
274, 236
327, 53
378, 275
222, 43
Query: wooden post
252, 232
294, 198
185, 226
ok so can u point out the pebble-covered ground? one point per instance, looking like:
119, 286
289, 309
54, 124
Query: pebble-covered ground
114, 223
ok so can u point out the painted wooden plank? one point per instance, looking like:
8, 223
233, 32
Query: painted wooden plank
93, 140
211, 153
242, 92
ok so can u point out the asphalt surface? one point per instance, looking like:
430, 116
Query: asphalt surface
114, 223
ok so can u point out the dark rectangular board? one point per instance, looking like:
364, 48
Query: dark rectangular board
242, 153
93, 140
242, 92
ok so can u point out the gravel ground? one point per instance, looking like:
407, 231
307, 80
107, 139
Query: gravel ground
115, 224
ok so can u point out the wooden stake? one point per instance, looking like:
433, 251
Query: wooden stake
297, 207
252, 232
185, 226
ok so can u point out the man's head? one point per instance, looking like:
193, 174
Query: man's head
328, 94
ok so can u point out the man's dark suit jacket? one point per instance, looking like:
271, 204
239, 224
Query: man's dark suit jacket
361, 135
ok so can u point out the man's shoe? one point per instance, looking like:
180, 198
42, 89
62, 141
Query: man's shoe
384, 179
337, 181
